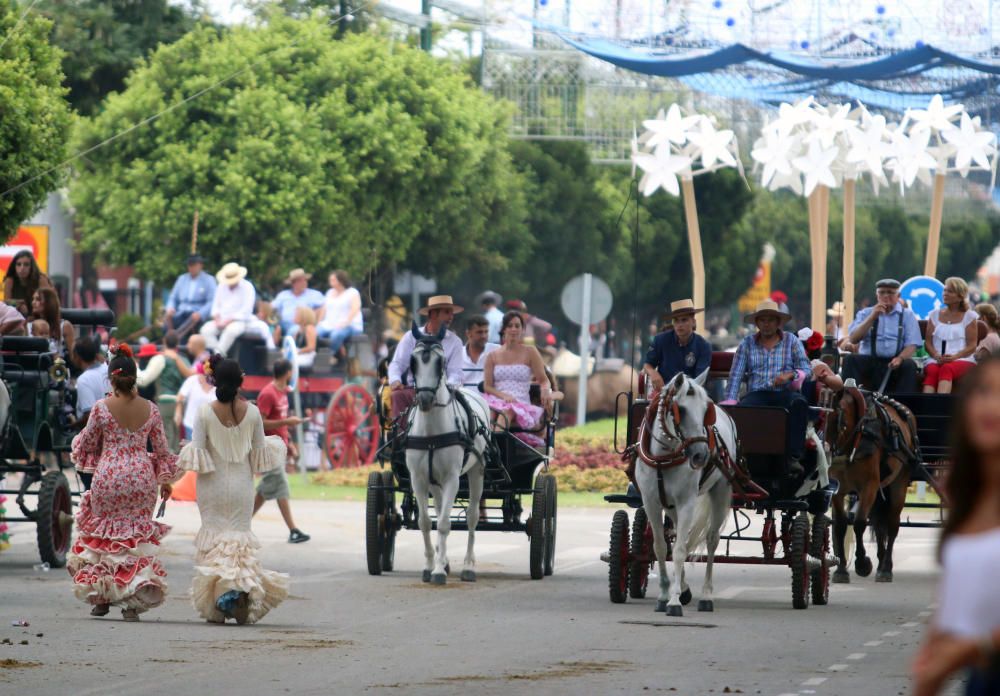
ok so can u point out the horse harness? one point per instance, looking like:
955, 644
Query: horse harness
719, 456
464, 434
874, 422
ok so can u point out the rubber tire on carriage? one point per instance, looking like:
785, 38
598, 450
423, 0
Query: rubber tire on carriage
638, 574
551, 496
388, 523
819, 547
54, 500
798, 549
538, 528
618, 558
374, 506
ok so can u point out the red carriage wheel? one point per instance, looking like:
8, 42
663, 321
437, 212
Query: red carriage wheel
352, 429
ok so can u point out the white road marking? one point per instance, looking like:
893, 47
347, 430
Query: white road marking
837, 668
890, 634
925, 614
815, 681
857, 656
909, 624
873, 644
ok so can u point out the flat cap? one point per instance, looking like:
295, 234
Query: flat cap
890, 283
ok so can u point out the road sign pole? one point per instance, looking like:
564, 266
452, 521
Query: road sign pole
581, 397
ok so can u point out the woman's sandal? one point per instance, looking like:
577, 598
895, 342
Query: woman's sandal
100, 610
130, 615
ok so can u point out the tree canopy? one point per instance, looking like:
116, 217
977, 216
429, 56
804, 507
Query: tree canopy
34, 118
316, 153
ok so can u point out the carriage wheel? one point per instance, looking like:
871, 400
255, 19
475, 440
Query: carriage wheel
374, 507
798, 561
638, 575
538, 527
819, 547
352, 429
549, 563
618, 558
54, 518
389, 515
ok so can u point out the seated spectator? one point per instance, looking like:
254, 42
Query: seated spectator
991, 344
882, 340
12, 322
820, 374
40, 329
340, 315
305, 336
232, 308
477, 330
298, 295
952, 335
190, 300
23, 278
264, 324
45, 305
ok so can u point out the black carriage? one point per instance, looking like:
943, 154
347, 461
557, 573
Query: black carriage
796, 528
514, 469
36, 435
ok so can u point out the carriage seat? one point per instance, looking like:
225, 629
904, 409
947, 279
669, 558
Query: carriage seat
762, 432
26, 360
250, 351
722, 363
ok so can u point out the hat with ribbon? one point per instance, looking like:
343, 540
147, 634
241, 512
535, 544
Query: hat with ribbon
231, 274
682, 308
297, 274
440, 302
837, 310
767, 308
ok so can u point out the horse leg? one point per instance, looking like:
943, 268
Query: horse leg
721, 497
654, 513
891, 524
685, 518
472, 518
839, 532
418, 483
862, 563
445, 502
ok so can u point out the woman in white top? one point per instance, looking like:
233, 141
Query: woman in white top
195, 391
340, 315
951, 339
965, 632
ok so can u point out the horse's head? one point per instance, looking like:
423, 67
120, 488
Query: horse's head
691, 413
427, 366
849, 408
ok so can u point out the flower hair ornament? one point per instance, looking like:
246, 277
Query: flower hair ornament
119, 350
210, 365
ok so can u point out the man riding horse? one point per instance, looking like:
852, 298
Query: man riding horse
678, 349
440, 311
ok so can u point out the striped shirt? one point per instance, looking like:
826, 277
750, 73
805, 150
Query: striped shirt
759, 365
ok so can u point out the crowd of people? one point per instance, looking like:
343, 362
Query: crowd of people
31, 306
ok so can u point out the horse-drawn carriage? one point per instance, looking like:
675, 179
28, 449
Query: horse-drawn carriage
795, 531
511, 469
36, 405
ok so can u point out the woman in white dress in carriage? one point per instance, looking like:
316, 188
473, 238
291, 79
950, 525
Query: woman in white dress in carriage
507, 378
228, 447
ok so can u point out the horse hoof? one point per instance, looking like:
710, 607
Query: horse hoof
468, 576
705, 605
426, 577
841, 577
675, 610
686, 597
661, 605
863, 566
883, 576
439, 579
447, 568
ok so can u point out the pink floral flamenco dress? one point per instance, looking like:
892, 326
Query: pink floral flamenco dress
516, 381
229, 581
113, 560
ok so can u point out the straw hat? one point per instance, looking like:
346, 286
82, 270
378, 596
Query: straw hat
837, 310
440, 302
683, 307
231, 274
297, 274
767, 307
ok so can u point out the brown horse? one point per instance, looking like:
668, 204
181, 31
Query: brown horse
603, 384
874, 446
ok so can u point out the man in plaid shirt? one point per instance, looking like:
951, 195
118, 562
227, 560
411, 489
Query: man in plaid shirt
773, 363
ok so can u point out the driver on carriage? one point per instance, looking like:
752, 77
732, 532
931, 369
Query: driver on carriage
774, 364
678, 349
440, 311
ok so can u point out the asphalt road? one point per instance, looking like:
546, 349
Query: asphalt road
344, 632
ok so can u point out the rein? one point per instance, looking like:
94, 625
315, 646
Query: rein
874, 424
673, 455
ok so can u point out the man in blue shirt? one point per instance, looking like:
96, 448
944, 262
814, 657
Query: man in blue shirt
678, 350
885, 337
774, 364
298, 295
190, 300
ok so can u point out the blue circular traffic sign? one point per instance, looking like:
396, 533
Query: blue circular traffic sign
922, 294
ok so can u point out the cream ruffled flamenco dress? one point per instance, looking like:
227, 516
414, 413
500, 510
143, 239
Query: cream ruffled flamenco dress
226, 459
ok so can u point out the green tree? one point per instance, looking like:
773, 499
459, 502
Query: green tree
34, 118
103, 40
319, 153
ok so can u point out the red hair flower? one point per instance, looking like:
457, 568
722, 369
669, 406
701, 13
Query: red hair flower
120, 349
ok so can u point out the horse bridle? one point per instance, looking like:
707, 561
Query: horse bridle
430, 347
664, 402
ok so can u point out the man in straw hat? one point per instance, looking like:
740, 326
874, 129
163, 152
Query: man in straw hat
885, 336
773, 363
679, 349
232, 308
298, 294
190, 300
440, 311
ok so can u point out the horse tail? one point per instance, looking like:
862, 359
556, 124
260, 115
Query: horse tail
699, 523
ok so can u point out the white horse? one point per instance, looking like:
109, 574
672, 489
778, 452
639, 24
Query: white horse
681, 436
444, 442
